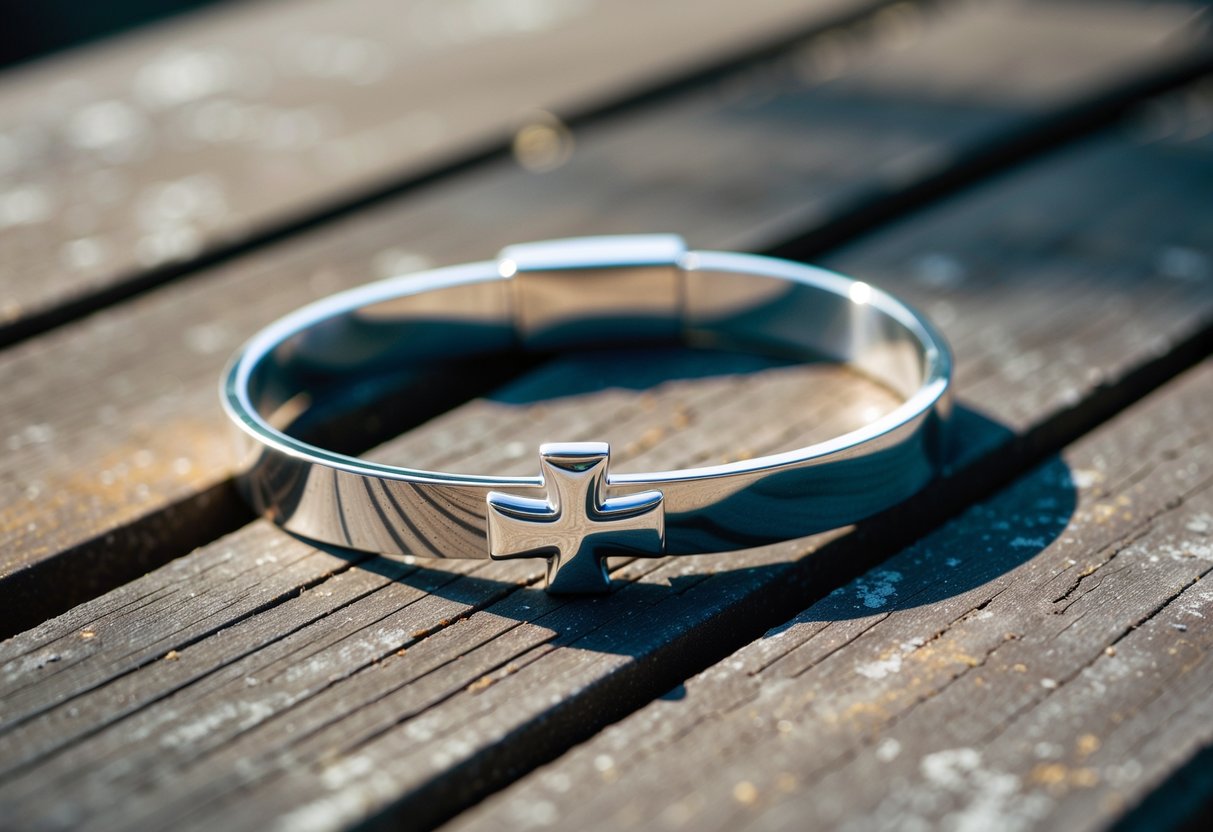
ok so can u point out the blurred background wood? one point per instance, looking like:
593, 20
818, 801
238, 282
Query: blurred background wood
124, 165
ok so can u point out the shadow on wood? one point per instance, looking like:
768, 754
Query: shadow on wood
1000, 542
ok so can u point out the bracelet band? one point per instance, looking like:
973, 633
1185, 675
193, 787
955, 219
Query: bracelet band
568, 294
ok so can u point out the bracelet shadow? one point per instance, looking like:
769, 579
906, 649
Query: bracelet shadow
934, 547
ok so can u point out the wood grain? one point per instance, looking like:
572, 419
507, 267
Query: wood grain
944, 689
117, 452
404, 693
122, 164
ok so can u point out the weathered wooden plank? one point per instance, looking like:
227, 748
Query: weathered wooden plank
700, 390
317, 720
117, 453
636, 404
122, 164
1041, 661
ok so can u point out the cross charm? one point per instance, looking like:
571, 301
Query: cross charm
577, 525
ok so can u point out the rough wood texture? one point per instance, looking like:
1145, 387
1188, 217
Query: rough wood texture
1041, 661
117, 453
294, 687
648, 407
123, 163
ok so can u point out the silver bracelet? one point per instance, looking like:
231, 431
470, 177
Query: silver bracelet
565, 294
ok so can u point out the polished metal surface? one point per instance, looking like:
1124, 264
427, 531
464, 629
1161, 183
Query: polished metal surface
571, 294
577, 525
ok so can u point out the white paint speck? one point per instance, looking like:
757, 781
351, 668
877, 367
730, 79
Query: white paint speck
25, 205
1201, 523
1084, 478
104, 125
888, 750
948, 769
177, 76
875, 589
881, 667
83, 253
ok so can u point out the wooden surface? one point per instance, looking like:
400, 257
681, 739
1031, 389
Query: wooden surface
138, 463
1041, 659
126, 162
250, 680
